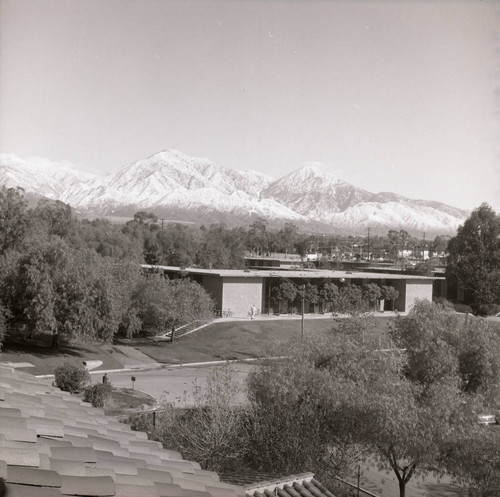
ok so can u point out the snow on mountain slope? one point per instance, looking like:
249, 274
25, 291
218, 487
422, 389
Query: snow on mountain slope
314, 193
394, 215
40, 175
171, 181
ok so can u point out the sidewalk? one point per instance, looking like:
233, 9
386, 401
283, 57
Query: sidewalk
307, 317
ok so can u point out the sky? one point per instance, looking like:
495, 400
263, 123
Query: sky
400, 96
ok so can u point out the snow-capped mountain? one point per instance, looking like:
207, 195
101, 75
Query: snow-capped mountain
313, 193
178, 186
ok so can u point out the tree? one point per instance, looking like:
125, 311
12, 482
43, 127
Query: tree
287, 237
54, 218
474, 460
59, 289
474, 256
346, 393
221, 248
372, 293
285, 292
311, 294
439, 245
177, 245
143, 217
258, 237
14, 221
390, 293
158, 303
351, 300
329, 294
442, 347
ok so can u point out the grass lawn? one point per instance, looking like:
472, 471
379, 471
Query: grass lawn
38, 351
124, 400
239, 339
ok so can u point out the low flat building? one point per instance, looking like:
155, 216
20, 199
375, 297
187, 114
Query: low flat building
235, 291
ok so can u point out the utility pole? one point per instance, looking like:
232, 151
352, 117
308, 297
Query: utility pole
423, 245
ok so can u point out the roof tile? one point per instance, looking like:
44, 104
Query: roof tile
95, 486
17, 456
33, 476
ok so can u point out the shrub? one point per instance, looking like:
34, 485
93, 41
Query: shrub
97, 394
71, 378
464, 308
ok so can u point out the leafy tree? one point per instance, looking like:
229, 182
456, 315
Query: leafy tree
177, 245
59, 289
287, 237
285, 292
143, 217
428, 333
54, 218
372, 292
439, 245
108, 240
397, 241
474, 460
258, 237
390, 293
474, 256
345, 392
158, 303
221, 248
329, 294
311, 294
14, 221
351, 300
442, 348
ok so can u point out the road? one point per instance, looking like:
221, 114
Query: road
174, 385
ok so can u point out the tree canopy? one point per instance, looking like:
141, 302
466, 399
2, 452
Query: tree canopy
474, 256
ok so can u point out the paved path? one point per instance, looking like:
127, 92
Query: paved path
175, 385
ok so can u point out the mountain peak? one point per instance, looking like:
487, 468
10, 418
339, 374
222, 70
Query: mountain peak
312, 170
197, 188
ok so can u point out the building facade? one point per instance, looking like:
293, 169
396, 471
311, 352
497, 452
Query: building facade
236, 291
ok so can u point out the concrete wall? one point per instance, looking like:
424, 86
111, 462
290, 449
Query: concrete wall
213, 285
239, 294
417, 289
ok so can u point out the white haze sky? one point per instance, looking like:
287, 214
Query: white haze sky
394, 96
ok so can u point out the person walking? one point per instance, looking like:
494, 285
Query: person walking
253, 311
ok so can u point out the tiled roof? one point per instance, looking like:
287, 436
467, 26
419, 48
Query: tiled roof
52, 444
303, 485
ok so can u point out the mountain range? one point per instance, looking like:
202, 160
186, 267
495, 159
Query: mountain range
176, 186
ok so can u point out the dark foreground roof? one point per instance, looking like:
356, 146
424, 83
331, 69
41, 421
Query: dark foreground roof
303, 485
52, 445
